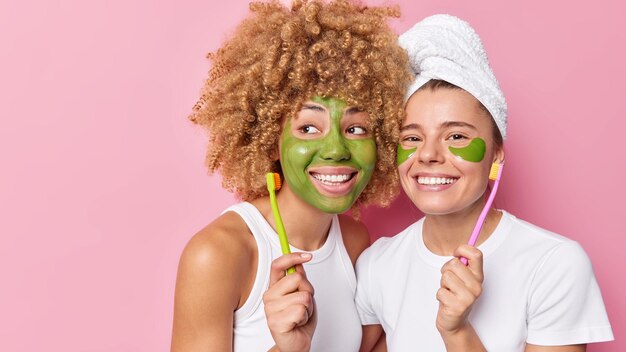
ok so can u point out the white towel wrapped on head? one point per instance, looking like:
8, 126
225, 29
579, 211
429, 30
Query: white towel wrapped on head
447, 48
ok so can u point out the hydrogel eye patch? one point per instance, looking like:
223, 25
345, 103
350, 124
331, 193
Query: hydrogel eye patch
474, 152
403, 154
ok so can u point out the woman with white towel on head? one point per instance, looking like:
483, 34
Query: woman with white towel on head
518, 287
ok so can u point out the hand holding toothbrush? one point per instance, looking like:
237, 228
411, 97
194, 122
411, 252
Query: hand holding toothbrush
290, 304
461, 286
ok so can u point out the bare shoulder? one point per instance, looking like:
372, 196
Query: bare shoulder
355, 236
214, 278
221, 251
225, 236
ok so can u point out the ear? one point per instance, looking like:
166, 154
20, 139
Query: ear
498, 156
274, 153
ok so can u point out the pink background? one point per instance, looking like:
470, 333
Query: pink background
102, 179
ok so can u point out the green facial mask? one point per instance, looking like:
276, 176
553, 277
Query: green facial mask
331, 149
474, 152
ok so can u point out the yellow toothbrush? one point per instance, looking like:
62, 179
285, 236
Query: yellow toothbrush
273, 184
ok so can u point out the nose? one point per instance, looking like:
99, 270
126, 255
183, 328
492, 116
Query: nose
430, 152
334, 147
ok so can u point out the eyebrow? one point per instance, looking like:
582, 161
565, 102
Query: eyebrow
447, 124
350, 110
309, 106
353, 110
411, 126
458, 124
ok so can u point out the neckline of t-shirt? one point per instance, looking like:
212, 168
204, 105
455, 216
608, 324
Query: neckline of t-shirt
487, 247
318, 255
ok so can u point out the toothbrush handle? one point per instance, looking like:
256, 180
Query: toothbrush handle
483, 215
280, 229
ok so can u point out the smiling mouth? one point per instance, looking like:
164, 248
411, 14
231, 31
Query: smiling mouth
334, 179
430, 181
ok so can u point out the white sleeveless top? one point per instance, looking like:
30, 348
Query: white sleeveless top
331, 274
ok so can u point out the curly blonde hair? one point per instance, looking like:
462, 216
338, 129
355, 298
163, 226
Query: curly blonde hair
277, 59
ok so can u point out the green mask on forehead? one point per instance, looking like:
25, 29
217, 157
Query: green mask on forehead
333, 148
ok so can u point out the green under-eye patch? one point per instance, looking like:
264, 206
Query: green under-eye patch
474, 152
403, 154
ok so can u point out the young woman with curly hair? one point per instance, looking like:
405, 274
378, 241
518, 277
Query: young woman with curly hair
314, 93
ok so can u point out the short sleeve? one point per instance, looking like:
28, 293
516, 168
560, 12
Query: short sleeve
364, 292
565, 304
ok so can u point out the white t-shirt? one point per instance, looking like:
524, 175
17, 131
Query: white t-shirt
539, 288
330, 272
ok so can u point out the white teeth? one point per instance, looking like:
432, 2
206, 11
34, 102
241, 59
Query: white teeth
435, 180
332, 179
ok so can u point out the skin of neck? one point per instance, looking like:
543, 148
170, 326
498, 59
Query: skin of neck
444, 233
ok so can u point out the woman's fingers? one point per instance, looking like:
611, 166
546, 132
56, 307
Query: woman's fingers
299, 298
462, 296
460, 287
467, 278
284, 262
287, 319
474, 258
289, 300
291, 283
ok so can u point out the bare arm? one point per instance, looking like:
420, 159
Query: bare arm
570, 348
207, 293
373, 339
381, 345
463, 339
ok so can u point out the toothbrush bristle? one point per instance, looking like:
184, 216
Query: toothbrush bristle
277, 181
493, 174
